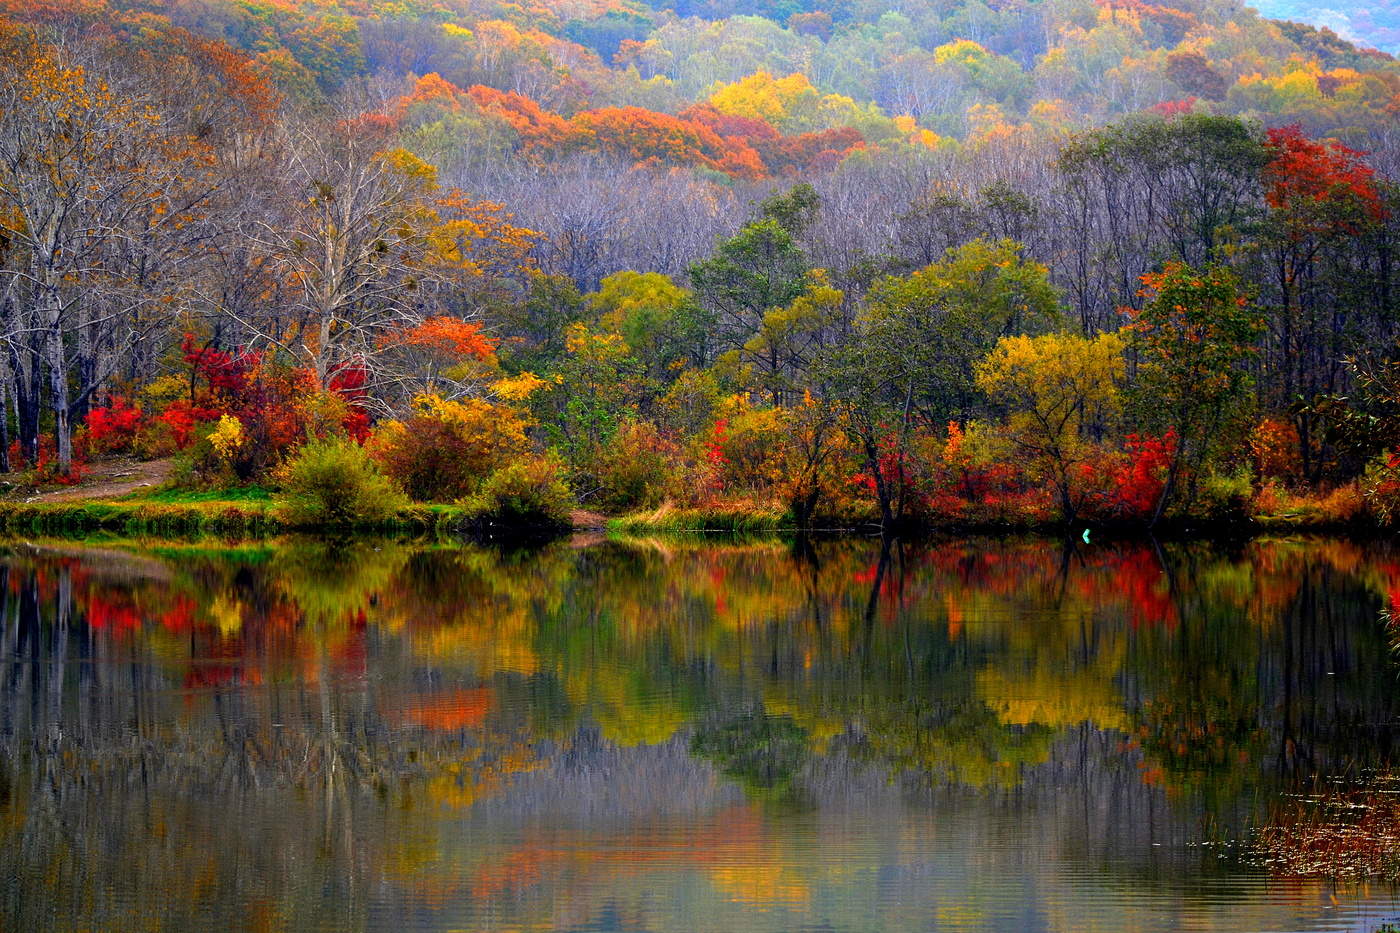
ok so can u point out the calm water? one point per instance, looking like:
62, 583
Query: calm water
684, 735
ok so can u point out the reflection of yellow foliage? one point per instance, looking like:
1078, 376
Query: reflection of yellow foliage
227, 614
1051, 698
633, 724
819, 727
460, 785
626, 712
960, 916
502, 647
332, 584
761, 884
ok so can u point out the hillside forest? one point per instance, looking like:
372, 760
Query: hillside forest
943, 263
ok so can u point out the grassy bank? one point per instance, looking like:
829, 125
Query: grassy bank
248, 513
177, 519
748, 519
724, 518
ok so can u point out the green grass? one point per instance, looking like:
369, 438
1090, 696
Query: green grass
173, 494
153, 518
252, 517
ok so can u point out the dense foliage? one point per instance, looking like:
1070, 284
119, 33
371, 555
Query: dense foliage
1103, 260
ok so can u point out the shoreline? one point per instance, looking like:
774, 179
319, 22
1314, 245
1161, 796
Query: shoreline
83, 517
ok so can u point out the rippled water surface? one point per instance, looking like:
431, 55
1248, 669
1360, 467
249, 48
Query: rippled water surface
696, 735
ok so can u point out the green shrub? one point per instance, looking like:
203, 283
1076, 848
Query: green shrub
1226, 496
528, 492
334, 483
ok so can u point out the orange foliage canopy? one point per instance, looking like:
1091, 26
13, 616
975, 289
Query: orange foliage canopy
728, 124
432, 88
809, 151
538, 128
645, 135
448, 336
742, 147
1175, 23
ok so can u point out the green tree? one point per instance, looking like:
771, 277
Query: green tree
534, 327
663, 324
757, 270
795, 210
934, 325
595, 390
1195, 335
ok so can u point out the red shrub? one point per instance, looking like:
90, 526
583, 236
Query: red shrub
113, 428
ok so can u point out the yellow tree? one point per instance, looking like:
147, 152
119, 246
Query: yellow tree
1060, 391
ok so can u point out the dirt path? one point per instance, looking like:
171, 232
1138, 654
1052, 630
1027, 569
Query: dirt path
585, 520
104, 481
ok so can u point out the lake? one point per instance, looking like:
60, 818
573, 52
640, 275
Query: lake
691, 734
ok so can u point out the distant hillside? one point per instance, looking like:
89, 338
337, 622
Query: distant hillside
1375, 24
776, 87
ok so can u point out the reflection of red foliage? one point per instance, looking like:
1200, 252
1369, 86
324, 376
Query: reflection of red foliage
113, 612
451, 710
179, 618
1133, 577
219, 675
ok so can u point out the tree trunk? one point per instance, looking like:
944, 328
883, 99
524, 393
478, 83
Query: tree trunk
4, 426
882, 492
25, 381
56, 362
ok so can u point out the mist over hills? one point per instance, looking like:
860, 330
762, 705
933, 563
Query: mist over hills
1375, 24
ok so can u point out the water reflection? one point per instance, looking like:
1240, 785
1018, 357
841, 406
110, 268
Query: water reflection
683, 735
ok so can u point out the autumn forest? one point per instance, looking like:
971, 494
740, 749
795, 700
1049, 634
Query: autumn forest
698, 466
734, 262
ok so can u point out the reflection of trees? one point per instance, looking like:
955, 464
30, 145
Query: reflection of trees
763, 753
284, 712
1277, 670
258, 746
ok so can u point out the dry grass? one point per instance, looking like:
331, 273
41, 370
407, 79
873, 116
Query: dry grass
1348, 833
